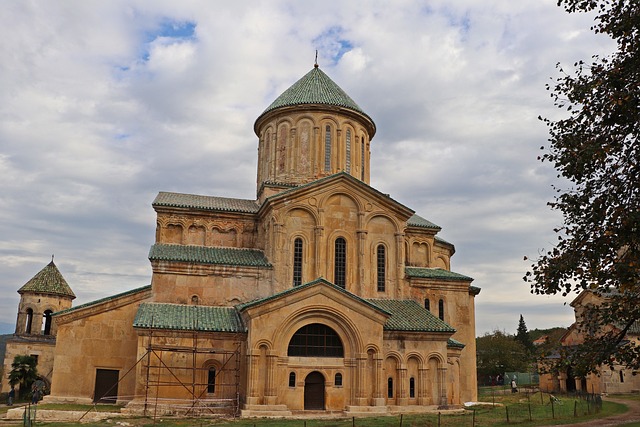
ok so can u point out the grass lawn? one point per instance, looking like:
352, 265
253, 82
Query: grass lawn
518, 405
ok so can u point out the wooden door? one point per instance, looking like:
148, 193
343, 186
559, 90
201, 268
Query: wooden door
314, 392
106, 390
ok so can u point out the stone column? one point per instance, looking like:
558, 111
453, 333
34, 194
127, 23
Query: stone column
378, 396
361, 366
253, 397
320, 267
442, 376
399, 260
362, 240
271, 393
422, 386
402, 398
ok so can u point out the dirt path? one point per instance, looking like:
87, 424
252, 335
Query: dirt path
633, 414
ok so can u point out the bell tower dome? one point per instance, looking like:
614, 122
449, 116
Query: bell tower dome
313, 129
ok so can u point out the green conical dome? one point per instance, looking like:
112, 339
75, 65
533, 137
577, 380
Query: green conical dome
48, 281
315, 87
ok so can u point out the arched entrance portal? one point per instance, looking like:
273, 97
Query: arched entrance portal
314, 391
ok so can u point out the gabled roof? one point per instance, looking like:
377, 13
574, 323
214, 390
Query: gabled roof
188, 317
405, 315
48, 281
224, 204
314, 88
435, 273
319, 281
103, 300
334, 177
409, 316
208, 255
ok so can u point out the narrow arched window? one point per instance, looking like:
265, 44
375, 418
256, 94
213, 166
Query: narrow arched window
441, 310
297, 262
381, 268
47, 323
427, 304
412, 387
338, 380
327, 149
390, 388
27, 327
292, 379
621, 376
340, 264
211, 380
348, 165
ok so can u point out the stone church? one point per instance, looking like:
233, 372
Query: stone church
321, 294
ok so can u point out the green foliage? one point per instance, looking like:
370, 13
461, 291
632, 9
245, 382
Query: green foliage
522, 335
23, 373
596, 149
498, 352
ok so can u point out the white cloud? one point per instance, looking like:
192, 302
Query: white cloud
103, 104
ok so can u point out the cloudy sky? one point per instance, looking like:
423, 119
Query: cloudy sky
104, 104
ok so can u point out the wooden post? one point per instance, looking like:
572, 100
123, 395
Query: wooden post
473, 419
530, 419
553, 412
400, 420
506, 408
438, 419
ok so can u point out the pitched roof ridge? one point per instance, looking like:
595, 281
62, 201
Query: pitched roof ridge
49, 281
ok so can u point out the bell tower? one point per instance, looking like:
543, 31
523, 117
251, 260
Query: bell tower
46, 293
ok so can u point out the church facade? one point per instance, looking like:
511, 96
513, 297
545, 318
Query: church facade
321, 294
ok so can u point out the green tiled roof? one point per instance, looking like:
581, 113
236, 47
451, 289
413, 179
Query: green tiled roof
315, 87
455, 343
418, 221
408, 315
208, 255
308, 285
188, 318
48, 281
105, 299
434, 273
179, 200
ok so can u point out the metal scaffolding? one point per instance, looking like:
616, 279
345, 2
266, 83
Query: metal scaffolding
208, 397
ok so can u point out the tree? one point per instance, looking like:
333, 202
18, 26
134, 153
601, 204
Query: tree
498, 353
522, 335
596, 148
23, 373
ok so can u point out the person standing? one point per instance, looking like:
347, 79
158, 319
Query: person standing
12, 395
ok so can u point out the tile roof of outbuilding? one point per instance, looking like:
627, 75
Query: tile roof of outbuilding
188, 317
48, 281
208, 255
315, 87
193, 201
409, 316
435, 273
